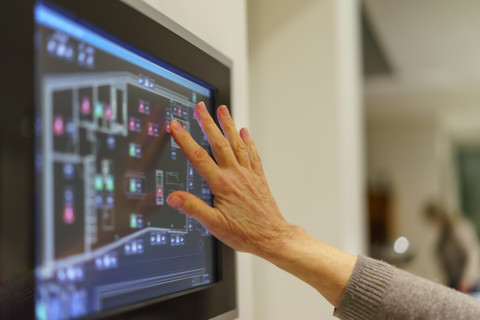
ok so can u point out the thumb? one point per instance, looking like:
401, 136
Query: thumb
193, 207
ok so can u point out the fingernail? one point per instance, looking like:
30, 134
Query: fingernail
202, 105
198, 109
174, 201
245, 132
224, 110
175, 125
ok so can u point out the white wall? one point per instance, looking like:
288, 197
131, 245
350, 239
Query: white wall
222, 24
305, 116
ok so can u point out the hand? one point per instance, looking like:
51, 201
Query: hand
245, 215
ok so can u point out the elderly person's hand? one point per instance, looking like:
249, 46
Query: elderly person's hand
245, 215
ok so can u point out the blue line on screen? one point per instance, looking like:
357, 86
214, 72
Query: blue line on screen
50, 18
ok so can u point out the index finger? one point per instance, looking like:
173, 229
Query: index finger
199, 157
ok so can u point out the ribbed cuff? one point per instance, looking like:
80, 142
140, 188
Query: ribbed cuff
368, 285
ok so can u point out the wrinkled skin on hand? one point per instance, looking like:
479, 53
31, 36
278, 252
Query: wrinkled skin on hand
245, 215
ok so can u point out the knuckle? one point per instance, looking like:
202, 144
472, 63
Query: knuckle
200, 155
239, 147
256, 157
221, 143
257, 162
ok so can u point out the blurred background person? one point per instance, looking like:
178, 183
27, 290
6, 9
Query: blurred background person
457, 247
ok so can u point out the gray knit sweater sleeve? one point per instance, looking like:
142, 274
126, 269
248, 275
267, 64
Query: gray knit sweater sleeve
379, 291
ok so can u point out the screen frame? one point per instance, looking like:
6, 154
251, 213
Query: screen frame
16, 133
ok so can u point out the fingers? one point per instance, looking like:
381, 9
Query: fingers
255, 161
200, 159
219, 144
238, 146
195, 208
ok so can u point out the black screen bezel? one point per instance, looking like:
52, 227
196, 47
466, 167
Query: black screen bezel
17, 89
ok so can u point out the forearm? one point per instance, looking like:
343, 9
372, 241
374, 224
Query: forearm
324, 267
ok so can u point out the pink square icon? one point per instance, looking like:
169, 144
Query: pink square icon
150, 129
85, 105
131, 124
68, 214
108, 112
58, 125
141, 106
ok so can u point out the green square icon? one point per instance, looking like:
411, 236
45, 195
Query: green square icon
133, 185
109, 183
98, 182
132, 149
41, 311
99, 110
133, 220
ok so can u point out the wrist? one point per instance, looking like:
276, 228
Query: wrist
289, 246
276, 246
322, 266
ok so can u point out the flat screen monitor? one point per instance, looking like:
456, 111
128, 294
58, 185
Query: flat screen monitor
105, 241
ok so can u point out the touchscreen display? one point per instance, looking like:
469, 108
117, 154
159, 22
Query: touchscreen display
105, 164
